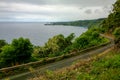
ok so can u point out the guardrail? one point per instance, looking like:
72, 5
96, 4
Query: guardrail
25, 67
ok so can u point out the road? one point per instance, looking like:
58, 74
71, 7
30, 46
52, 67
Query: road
62, 63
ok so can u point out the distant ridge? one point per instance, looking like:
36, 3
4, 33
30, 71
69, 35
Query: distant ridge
84, 23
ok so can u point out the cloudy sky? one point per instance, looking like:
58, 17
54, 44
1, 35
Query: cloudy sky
54, 10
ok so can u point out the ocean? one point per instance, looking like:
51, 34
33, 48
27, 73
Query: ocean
38, 33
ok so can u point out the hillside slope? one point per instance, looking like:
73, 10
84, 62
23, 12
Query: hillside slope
85, 23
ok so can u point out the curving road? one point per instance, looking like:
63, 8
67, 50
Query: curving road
62, 63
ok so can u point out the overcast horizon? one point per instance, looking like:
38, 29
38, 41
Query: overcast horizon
54, 10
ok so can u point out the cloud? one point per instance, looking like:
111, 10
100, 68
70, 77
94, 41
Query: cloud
65, 2
23, 7
88, 11
98, 11
25, 10
30, 8
54, 9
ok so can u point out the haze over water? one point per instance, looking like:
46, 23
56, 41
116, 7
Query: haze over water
38, 33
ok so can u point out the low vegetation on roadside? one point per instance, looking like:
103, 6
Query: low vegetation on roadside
94, 68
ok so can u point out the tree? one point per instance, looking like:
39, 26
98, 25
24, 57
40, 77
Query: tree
81, 42
113, 20
7, 56
22, 49
68, 39
55, 46
116, 6
2, 43
18, 52
95, 34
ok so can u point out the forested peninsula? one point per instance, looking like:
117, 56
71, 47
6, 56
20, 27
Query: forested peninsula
84, 23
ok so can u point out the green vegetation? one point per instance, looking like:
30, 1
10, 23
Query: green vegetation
54, 46
112, 23
27, 67
60, 45
113, 20
117, 33
95, 68
117, 36
88, 39
18, 52
85, 23
2, 43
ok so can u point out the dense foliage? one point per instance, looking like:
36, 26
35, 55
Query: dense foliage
2, 43
54, 46
60, 45
18, 52
112, 23
88, 39
113, 20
